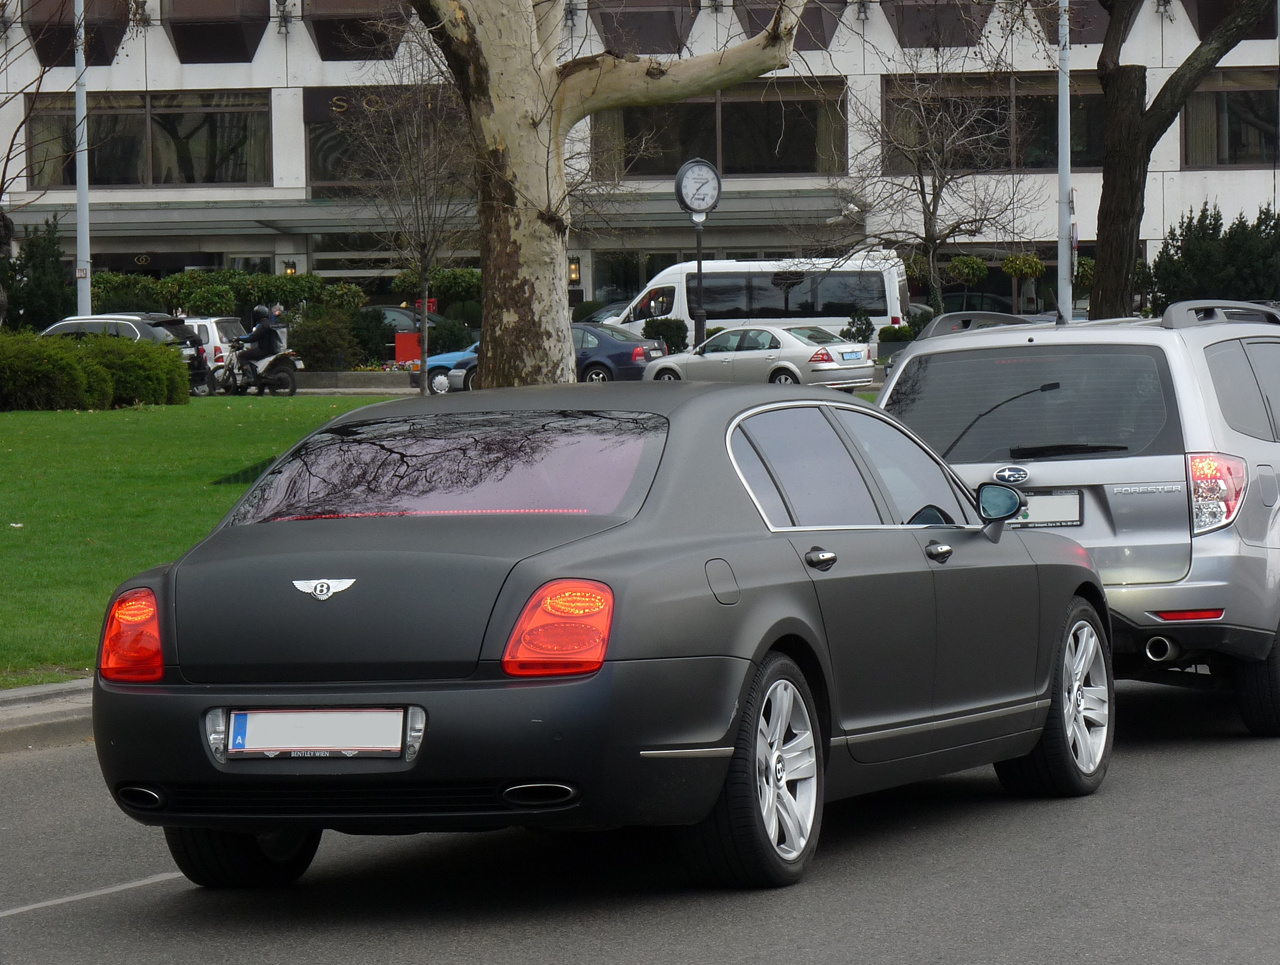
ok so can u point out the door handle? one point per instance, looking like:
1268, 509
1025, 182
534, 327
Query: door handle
820, 559
939, 552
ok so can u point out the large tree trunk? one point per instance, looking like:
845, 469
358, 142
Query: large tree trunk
524, 249
1126, 158
522, 103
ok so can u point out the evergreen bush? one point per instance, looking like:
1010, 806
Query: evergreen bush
671, 330
323, 339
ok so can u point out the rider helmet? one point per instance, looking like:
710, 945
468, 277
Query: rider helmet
260, 312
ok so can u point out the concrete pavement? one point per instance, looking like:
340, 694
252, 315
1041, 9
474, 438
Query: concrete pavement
49, 715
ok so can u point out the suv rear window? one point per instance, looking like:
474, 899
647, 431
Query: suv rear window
1055, 402
458, 464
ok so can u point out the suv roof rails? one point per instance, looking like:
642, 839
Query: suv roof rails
1210, 310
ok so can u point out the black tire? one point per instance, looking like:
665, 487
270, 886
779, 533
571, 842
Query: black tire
282, 379
666, 375
229, 859
227, 384
1074, 750
734, 844
469, 382
596, 373
784, 377
438, 381
1257, 686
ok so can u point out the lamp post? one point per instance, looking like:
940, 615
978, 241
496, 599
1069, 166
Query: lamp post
698, 191
1066, 268
84, 300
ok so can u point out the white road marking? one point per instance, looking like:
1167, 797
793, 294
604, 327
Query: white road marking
154, 879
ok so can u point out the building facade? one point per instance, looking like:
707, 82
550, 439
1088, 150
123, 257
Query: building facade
212, 128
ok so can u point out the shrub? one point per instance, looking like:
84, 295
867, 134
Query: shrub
671, 330
583, 309
49, 373
322, 337
115, 292
468, 313
141, 372
211, 300
451, 285
450, 335
343, 295
371, 334
896, 333
860, 328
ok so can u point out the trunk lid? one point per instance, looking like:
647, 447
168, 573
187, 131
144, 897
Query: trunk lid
417, 606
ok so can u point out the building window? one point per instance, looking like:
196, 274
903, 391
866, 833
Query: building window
1231, 121
756, 129
992, 123
221, 137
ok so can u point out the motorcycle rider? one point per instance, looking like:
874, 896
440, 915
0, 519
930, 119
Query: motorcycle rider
261, 342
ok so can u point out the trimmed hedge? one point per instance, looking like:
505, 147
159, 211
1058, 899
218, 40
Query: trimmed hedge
92, 373
141, 372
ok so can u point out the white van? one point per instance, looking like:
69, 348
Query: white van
818, 291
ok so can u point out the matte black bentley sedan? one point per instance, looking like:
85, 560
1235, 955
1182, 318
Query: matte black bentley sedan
684, 604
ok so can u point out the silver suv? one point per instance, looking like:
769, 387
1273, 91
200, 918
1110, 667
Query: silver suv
1153, 442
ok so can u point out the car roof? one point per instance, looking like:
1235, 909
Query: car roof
1207, 320
661, 398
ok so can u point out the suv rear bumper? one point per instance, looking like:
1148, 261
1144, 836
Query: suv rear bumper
1227, 574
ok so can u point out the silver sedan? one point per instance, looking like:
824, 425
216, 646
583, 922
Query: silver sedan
803, 354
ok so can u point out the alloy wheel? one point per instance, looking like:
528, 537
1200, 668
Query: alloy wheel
786, 769
1085, 704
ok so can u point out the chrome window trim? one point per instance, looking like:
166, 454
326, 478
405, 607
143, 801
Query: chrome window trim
871, 413
690, 753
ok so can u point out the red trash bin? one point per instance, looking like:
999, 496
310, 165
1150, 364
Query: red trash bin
408, 346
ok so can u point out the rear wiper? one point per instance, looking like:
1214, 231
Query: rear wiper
1062, 449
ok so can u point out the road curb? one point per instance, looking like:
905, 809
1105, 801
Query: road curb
48, 715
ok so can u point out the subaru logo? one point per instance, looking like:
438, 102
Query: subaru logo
1012, 475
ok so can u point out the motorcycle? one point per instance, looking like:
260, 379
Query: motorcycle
276, 374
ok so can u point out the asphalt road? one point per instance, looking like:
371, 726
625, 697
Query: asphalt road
1176, 859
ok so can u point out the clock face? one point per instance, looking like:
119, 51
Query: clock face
699, 187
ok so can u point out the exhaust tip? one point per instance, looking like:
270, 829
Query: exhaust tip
539, 795
1162, 650
142, 798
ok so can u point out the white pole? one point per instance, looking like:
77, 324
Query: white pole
1065, 300
84, 302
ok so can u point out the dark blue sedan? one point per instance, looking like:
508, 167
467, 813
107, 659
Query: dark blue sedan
605, 353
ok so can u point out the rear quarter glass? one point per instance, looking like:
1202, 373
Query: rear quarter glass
1017, 403
454, 464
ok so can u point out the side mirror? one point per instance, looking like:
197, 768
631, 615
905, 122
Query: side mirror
996, 504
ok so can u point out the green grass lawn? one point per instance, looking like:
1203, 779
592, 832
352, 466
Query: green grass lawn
88, 499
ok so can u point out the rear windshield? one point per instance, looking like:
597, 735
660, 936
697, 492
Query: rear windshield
459, 464
229, 330
621, 334
814, 336
1078, 402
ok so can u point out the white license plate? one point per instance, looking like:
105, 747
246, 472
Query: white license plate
348, 732
1059, 508
849, 356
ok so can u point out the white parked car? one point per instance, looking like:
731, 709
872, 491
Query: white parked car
796, 354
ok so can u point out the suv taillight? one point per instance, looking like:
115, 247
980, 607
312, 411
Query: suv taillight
217, 354
822, 355
131, 651
1217, 489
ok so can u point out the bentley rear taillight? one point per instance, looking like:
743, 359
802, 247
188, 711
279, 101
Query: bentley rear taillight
131, 651
1217, 489
564, 630
822, 355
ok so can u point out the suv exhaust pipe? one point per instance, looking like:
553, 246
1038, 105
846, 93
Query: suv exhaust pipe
1162, 650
